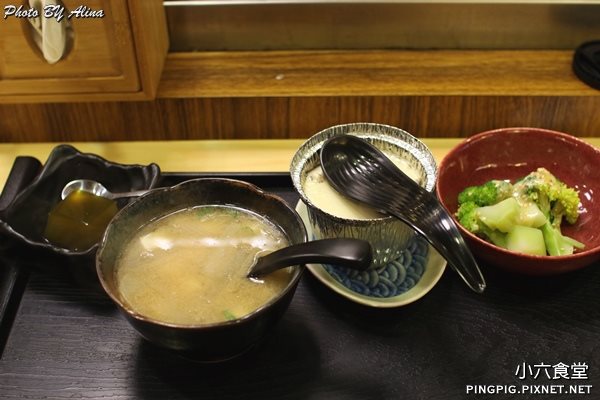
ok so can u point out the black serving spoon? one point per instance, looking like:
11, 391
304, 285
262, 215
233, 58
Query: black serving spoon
345, 252
362, 172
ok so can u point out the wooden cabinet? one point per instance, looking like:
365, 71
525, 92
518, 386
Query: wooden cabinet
119, 56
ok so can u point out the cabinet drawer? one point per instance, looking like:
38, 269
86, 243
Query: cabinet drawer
102, 59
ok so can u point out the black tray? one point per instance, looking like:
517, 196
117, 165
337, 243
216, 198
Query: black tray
62, 341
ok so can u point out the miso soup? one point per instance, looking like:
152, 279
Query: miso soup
190, 267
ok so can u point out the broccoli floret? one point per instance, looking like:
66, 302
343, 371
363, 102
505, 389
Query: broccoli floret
527, 240
502, 216
553, 197
488, 210
531, 215
487, 194
556, 201
468, 216
556, 243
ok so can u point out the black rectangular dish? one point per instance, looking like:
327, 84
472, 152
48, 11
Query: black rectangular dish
523, 335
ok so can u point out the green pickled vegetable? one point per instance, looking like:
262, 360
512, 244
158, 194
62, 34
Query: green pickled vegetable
498, 211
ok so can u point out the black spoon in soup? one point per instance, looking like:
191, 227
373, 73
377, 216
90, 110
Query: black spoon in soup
346, 252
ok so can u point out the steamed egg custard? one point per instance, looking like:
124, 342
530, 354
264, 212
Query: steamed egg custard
324, 196
190, 267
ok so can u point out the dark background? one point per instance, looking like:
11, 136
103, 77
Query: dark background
66, 341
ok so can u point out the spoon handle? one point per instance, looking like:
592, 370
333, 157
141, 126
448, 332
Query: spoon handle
135, 193
440, 230
346, 252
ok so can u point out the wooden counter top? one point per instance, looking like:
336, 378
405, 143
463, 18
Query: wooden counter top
189, 156
197, 155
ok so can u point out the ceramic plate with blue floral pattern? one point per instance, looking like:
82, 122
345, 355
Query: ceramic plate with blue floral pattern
402, 281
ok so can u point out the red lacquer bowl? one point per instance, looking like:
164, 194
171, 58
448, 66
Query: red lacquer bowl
511, 153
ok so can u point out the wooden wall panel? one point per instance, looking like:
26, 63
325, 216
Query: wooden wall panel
293, 94
292, 117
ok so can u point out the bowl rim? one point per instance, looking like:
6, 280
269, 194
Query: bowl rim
130, 312
354, 128
515, 130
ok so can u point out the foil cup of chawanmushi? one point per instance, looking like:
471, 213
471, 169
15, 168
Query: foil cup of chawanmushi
332, 215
